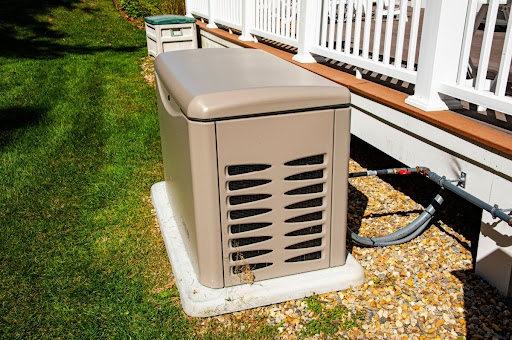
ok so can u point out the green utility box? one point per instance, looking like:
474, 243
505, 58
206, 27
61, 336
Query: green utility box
166, 33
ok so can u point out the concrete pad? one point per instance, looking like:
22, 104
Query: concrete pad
201, 301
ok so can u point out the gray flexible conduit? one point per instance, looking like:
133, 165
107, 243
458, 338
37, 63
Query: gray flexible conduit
417, 226
405, 234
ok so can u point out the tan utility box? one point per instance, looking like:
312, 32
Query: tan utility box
255, 154
165, 33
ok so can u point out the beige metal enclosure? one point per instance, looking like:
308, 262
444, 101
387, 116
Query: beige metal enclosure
255, 156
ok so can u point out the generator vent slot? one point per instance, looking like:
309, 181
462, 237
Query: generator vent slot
238, 214
248, 183
242, 228
310, 189
240, 169
315, 202
310, 160
242, 199
305, 218
240, 242
306, 244
241, 255
303, 176
245, 268
317, 229
306, 257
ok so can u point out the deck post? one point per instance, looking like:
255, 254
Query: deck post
307, 30
211, 14
188, 13
441, 43
247, 20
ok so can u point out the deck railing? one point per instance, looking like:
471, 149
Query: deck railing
229, 13
276, 19
384, 36
198, 7
485, 87
346, 32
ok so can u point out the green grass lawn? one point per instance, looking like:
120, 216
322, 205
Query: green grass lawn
80, 253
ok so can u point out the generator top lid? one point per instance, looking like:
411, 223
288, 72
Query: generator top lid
212, 84
169, 19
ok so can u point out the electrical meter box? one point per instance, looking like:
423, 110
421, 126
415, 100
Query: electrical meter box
255, 153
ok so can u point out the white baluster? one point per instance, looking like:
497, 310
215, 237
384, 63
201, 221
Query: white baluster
367, 27
357, 28
288, 18
294, 20
283, 17
413, 36
348, 26
389, 30
187, 8
259, 14
401, 33
506, 56
332, 23
378, 30
272, 17
325, 19
485, 52
339, 34
211, 14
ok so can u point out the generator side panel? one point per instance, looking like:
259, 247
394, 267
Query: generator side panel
205, 190
340, 187
275, 176
190, 169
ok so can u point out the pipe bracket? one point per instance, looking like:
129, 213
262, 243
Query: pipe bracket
493, 211
461, 182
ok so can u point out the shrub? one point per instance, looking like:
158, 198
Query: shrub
142, 8
172, 7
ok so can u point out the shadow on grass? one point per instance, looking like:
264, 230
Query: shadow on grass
23, 34
46, 50
21, 16
13, 120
